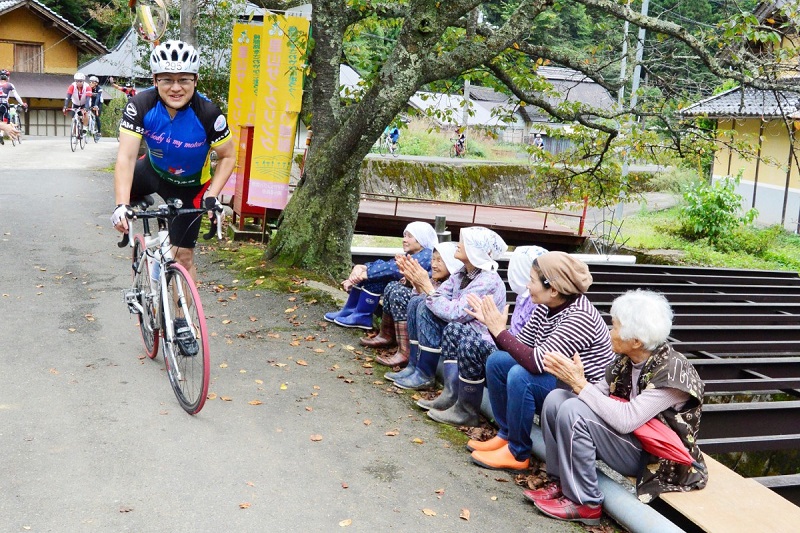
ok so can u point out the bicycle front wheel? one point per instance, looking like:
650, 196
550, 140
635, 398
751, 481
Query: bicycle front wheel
148, 323
188, 373
73, 136
82, 138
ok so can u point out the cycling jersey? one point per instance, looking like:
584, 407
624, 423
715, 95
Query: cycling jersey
178, 148
6, 88
97, 98
78, 97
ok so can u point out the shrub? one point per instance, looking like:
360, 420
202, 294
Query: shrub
712, 211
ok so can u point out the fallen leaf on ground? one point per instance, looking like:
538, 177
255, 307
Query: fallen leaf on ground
345, 485
292, 298
348, 347
493, 498
242, 371
316, 438
255, 402
294, 343
223, 365
429, 512
253, 318
392, 433
125, 509
226, 321
417, 440
259, 382
345, 523
226, 398
284, 386
319, 350
309, 408
53, 371
290, 310
367, 365
367, 422
301, 362
439, 491
464, 514
212, 396
244, 505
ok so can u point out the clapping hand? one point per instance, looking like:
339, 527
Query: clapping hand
566, 370
484, 310
415, 274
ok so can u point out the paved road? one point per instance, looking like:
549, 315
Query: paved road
94, 441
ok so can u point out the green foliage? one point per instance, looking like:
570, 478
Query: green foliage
112, 114
749, 240
712, 211
674, 180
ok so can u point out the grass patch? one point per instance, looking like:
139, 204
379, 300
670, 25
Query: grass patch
254, 272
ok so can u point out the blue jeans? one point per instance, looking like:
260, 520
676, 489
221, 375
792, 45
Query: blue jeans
516, 395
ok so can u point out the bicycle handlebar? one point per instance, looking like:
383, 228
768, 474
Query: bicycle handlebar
169, 212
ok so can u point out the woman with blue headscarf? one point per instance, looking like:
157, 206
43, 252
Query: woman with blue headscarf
367, 282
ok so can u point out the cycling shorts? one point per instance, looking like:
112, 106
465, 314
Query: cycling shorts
183, 229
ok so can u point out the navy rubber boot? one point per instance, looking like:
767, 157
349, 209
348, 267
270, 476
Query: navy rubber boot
361, 317
349, 306
424, 376
467, 410
449, 394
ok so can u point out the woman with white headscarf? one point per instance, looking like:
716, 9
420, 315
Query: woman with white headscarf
477, 249
402, 306
367, 282
464, 351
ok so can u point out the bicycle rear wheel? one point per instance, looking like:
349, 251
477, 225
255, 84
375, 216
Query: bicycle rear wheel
148, 322
18, 124
73, 136
82, 139
188, 374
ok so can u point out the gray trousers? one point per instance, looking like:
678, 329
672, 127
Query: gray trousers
574, 438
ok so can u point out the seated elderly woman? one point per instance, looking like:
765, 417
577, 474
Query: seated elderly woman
588, 422
476, 249
397, 295
366, 282
564, 320
464, 353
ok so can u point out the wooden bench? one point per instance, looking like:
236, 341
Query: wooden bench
730, 504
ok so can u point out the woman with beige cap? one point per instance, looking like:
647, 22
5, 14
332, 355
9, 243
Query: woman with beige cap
564, 321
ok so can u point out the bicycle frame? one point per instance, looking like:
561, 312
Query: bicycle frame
159, 248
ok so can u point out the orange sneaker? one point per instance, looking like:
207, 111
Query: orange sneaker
495, 443
500, 459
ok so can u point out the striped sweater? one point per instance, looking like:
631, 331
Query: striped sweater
576, 328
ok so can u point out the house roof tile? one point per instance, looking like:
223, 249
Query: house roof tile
738, 103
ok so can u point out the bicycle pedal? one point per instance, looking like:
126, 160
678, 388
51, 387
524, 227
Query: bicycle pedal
131, 299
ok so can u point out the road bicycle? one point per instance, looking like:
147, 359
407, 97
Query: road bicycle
94, 126
14, 120
166, 302
457, 149
387, 147
76, 135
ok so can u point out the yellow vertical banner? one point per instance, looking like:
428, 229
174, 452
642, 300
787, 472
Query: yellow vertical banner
241, 93
278, 100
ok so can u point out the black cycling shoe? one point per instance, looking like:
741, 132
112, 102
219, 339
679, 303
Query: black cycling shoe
184, 338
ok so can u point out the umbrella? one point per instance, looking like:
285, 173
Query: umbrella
660, 440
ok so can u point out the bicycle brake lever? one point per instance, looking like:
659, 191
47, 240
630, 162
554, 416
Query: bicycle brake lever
124, 242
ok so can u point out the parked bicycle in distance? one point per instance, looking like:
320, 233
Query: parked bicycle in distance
165, 300
457, 149
76, 135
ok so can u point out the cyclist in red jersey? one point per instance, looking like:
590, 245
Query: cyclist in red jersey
128, 90
79, 93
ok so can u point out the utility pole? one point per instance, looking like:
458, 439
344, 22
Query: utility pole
188, 25
637, 73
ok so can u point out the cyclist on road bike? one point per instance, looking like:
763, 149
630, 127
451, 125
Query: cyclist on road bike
6, 91
461, 139
79, 94
97, 98
128, 90
180, 127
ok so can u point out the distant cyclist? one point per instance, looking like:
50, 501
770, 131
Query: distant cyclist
6, 91
394, 134
180, 127
461, 139
79, 97
97, 97
128, 90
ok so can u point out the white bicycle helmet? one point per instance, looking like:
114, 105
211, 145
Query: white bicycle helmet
174, 56
79, 76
